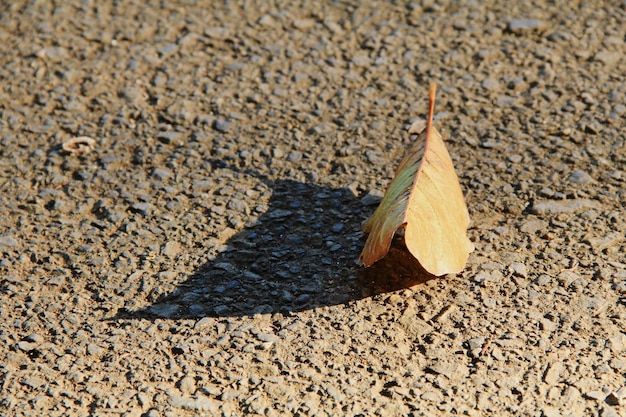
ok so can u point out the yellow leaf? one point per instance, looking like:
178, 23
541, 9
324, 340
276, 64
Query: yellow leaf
425, 198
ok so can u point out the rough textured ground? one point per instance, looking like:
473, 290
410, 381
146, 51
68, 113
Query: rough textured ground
201, 260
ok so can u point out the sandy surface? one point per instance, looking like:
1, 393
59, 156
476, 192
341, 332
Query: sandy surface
201, 260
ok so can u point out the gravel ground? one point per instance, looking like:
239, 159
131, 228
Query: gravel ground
201, 260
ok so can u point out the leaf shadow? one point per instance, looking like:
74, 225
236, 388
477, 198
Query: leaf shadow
396, 271
301, 254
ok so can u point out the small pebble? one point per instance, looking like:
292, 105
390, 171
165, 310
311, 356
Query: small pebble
34, 338
432, 396
490, 84
168, 49
202, 185
222, 126
595, 395
476, 342
266, 20
519, 26
565, 206
579, 177
8, 241
608, 58
372, 197
187, 385
303, 298
238, 205
265, 337
200, 403
221, 310
548, 411
26, 346
171, 249
303, 24
168, 137
294, 156
546, 192
164, 310
94, 350
34, 382
519, 269
162, 174
608, 412
144, 209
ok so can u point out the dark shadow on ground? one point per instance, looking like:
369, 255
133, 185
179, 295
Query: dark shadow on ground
300, 255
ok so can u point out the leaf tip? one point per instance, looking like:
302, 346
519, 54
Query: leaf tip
432, 91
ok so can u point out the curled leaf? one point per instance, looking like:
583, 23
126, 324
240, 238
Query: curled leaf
80, 145
424, 198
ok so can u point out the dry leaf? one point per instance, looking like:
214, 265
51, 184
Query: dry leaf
80, 145
424, 198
